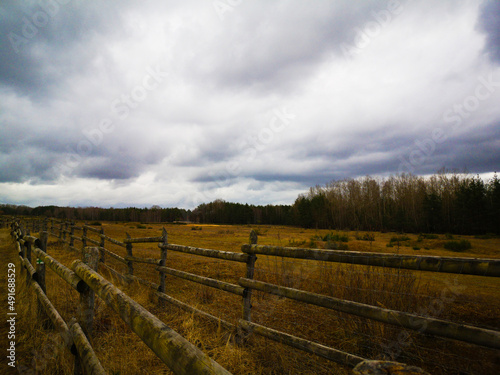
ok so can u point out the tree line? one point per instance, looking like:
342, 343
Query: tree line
444, 202
154, 214
222, 212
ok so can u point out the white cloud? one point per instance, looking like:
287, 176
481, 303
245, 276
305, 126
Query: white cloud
204, 130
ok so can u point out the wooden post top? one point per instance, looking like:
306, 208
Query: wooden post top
253, 237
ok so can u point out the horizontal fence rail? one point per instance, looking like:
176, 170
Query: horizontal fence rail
231, 288
143, 240
210, 253
302, 344
465, 266
474, 335
88, 358
113, 255
193, 310
54, 316
174, 350
64, 272
71, 335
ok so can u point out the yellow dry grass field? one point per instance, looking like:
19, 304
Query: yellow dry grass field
465, 299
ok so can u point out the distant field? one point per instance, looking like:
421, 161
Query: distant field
476, 300
231, 237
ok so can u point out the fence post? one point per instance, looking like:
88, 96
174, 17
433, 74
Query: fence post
130, 264
71, 234
84, 237
40, 271
90, 257
247, 294
17, 237
61, 231
65, 230
40, 266
162, 263
101, 244
44, 234
27, 244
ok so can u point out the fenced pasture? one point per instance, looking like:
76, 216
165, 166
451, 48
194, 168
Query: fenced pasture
267, 307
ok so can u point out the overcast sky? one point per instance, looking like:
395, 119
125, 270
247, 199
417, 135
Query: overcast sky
175, 103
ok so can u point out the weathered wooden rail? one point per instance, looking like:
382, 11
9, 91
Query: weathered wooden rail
441, 328
80, 277
177, 353
463, 266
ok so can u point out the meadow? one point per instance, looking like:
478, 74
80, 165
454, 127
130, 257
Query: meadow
467, 299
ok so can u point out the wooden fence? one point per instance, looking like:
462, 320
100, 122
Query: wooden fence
84, 279
176, 352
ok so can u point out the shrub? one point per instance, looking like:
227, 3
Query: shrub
461, 245
336, 237
365, 237
96, 223
400, 238
416, 248
140, 226
448, 236
427, 236
196, 228
487, 236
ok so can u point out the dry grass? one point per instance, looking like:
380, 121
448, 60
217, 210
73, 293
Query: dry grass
475, 300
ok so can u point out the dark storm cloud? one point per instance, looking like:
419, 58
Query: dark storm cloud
489, 22
38, 41
111, 169
475, 151
28, 164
